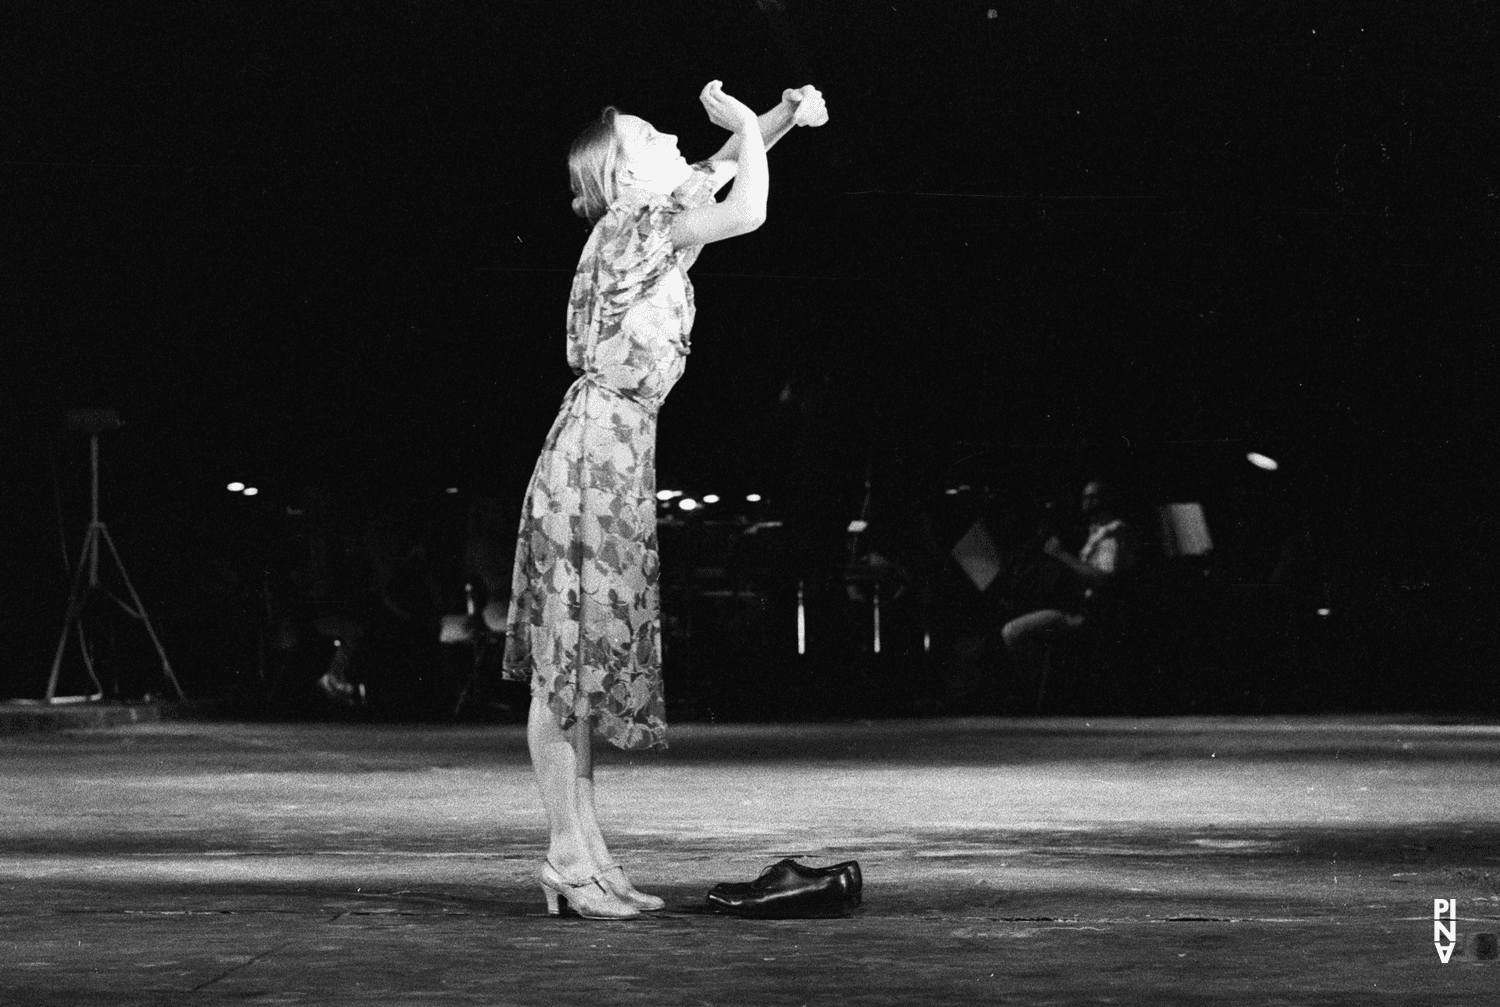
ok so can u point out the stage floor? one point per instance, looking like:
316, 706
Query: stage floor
1059, 861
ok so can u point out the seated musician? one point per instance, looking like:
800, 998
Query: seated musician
1107, 553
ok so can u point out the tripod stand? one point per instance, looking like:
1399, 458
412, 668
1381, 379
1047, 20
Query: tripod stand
93, 422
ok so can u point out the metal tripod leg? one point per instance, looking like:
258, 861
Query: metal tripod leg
75, 609
141, 611
481, 651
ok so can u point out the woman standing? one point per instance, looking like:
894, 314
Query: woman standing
584, 626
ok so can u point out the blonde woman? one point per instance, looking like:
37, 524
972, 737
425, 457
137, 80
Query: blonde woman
584, 625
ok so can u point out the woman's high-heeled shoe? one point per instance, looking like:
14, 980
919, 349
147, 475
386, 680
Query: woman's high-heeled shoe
587, 898
618, 884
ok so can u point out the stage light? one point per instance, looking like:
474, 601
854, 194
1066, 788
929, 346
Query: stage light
752, 498
250, 491
688, 503
1260, 461
710, 498
235, 487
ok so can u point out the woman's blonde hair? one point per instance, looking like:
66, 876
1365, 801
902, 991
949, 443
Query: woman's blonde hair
591, 166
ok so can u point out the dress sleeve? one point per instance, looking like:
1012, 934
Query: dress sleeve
627, 254
635, 252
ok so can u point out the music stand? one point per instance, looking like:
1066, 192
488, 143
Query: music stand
94, 422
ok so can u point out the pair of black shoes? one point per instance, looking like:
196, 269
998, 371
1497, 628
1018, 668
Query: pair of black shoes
788, 889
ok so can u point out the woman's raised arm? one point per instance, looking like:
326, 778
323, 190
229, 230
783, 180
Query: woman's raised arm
745, 208
801, 106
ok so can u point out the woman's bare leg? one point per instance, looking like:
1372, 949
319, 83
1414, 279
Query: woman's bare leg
616, 881
583, 795
555, 757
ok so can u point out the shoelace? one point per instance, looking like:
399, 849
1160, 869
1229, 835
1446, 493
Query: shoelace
766, 872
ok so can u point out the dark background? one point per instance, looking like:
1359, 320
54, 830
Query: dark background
328, 245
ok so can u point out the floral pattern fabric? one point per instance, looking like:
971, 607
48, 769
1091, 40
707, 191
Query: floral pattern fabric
585, 624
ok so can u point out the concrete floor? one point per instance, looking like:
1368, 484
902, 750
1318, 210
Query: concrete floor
1176, 861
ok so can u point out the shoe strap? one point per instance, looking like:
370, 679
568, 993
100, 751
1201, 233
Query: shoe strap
592, 879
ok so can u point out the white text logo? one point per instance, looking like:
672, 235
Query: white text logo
1444, 927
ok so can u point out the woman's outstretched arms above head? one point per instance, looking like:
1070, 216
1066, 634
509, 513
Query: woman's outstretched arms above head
800, 106
745, 209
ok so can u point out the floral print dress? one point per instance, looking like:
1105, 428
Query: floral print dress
585, 625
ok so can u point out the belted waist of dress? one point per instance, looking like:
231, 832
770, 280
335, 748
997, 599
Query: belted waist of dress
594, 380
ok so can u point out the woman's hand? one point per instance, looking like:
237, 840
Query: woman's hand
809, 109
726, 111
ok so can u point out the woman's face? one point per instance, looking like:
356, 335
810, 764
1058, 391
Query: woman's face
651, 158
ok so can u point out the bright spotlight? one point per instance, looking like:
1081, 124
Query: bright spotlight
688, 503
250, 491
752, 498
235, 487
1260, 461
710, 498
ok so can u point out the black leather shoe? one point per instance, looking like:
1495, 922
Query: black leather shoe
788, 888
853, 882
